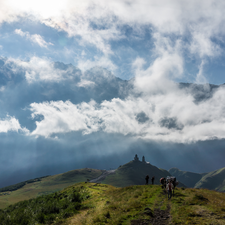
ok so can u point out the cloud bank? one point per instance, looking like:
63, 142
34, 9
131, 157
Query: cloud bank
156, 108
169, 115
197, 24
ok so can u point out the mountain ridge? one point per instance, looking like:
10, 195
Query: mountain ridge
214, 180
131, 173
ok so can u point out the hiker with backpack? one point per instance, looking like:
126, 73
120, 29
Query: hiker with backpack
169, 188
163, 182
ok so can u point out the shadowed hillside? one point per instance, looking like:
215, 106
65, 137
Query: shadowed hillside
134, 173
187, 178
214, 180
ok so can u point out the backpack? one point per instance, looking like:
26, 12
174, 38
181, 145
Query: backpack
170, 186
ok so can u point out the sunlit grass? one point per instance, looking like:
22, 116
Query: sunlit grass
105, 204
198, 206
121, 205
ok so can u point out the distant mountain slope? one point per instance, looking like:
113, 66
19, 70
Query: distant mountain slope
46, 185
214, 180
200, 92
21, 184
134, 173
187, 178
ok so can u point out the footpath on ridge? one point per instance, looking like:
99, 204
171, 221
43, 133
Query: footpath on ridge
102, 176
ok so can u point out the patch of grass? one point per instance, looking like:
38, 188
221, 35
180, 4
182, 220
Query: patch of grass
198, 199
119, 205
194, 214
44, 209
198, 206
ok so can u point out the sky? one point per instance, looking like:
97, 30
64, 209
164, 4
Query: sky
72, 114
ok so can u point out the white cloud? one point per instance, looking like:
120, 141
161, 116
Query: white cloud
200, 78
39, 69
63, 117
173, 117
36, 38
99, 22
159, 76
165, 17
204, 46
85, 83
20, 32
11, 124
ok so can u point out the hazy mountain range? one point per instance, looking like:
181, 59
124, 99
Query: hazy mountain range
131, 173
214, 180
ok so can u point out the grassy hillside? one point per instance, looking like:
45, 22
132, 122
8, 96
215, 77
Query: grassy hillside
89, 203
134, 173
45, 209
46, 185
214, 180
187, 178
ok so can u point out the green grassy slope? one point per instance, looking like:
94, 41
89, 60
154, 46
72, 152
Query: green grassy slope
47, 185
89, 203
134, 173
147, 204
214, 180
45, 209
187, 178
20, 185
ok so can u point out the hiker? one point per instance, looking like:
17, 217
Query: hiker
147, 178
169, 188
153, 178
163, 182
174, 183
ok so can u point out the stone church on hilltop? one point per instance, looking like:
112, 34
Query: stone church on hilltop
136, 159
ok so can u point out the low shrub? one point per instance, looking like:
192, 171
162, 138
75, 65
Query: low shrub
43, 209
